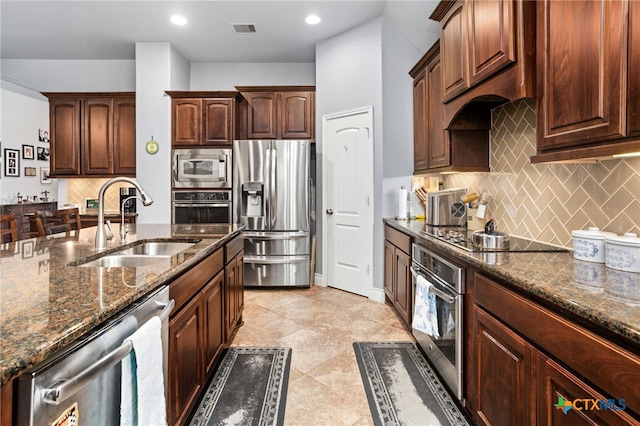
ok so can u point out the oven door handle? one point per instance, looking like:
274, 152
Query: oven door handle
441, 294
192, 205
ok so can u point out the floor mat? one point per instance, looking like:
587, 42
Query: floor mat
401, 387
248, 388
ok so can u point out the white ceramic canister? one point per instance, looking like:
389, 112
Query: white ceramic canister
623, 253
588, 245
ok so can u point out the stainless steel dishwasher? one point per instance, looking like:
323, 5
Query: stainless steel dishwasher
82, 382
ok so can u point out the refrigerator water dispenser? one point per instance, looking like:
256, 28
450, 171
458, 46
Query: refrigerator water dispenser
252, 200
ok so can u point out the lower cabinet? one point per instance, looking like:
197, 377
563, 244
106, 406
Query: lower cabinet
528, 365
209, 301
398, 286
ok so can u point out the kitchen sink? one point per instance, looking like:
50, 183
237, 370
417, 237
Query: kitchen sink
146, 253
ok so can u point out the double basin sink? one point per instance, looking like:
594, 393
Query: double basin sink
145, 253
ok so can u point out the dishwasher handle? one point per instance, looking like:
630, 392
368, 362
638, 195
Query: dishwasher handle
64, 388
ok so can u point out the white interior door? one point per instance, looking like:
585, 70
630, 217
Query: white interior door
348, 200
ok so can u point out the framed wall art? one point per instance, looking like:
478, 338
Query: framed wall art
43, 153
43, 135
11, 162
44, 175
29, 171
27, 152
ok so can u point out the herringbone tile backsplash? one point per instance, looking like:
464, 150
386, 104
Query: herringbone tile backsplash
547, 201
79, 189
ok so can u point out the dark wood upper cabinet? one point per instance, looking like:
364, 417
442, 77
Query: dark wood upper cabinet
205, 118
462, 148
488, 52
588, 87
279, 112
92, 134
64, 148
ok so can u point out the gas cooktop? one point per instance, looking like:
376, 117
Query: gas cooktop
461, 238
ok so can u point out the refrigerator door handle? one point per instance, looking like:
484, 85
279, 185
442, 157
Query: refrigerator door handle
267, 187
274, 189
271, 236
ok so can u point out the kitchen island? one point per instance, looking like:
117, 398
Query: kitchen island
46, 302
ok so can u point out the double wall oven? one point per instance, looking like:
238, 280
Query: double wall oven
201, 186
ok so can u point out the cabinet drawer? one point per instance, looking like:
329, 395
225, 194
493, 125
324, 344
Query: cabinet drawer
233, 247
398, 239
186, 286
611, 368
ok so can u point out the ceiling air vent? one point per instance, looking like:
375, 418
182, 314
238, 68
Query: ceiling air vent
244, 28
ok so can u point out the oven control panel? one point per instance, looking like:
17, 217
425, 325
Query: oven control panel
202, 196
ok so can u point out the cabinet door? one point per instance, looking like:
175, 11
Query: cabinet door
633, 98
124, 136
504, 374
557, 387
240, 285
420, 121
581, 51
439, 146
218, 121
296, 115
491, 37
213, 320
261, 115
403, 285
97, 137
186, 369
186, 121
453, 48
64, 117
230, 286
389, 270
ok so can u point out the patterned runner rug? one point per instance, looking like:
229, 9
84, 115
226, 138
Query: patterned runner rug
401, 387
248, 388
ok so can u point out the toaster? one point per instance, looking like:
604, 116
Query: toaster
444, 208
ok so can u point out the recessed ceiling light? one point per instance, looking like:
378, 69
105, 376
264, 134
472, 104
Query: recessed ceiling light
312, 19
179, 20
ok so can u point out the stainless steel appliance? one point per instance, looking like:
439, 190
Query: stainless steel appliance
444, 208
444, 347
201, 207
127, 203
271, 197
202, 168
84, 380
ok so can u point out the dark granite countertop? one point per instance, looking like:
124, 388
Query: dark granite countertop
605, 297
45, 304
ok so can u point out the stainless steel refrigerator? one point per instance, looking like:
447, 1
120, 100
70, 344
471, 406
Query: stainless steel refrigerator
271, 195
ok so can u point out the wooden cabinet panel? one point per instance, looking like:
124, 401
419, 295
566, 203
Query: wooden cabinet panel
404, 288
420, 122
633, 97
261, 115
187, 368
184, 287
504, 364
97, 137
439, 146
398, 282
453, 45
581, 52
492, 32
296, 115
234, 288
186, 121
124, 136
218, 121
64, 121
214, 326
556, 384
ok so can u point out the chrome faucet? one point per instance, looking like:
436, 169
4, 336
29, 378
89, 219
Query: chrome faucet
101, 236
123, 227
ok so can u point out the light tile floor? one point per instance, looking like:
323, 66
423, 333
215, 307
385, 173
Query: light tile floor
320, 324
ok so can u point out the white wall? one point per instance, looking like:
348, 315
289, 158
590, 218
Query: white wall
223, 77
368, 65
22, 113
72, 75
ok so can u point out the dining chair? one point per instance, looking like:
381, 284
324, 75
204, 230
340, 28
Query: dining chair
54, 221
8, 227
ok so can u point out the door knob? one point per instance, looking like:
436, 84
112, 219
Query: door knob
329, 211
